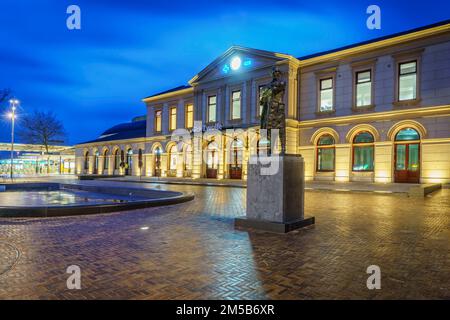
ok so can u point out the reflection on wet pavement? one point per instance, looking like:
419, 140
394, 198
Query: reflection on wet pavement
192, 251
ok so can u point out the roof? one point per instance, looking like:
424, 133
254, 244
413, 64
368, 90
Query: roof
306, 57
441, 23
129, 130
169, 91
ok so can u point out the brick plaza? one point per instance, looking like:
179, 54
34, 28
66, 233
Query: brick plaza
192, 251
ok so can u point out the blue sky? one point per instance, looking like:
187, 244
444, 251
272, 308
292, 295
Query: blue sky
95, 77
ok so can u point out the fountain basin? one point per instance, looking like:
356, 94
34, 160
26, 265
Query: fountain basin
28, 200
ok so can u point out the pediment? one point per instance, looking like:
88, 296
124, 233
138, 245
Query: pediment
237, 60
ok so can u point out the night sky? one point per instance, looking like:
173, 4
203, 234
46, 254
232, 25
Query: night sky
95, 77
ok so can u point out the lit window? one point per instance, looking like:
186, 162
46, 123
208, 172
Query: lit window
236, 105
86, 161
212, 108
407, 81
363, 88
173, 119
116, 159
363, 150
407, 134
188, 158
189, 116
326, 95
173, 154
105, 160
325, 153
158, 121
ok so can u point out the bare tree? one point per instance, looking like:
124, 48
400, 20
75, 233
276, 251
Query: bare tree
4, 95
41, 128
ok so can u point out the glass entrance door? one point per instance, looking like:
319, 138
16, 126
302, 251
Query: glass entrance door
407, 163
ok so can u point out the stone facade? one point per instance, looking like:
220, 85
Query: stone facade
225, 95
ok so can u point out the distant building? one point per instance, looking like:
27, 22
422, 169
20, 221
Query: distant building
374, 111
32, 160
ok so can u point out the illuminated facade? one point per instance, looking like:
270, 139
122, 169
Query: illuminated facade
377, 111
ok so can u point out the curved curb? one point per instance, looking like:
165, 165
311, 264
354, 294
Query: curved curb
89, 209
16, 260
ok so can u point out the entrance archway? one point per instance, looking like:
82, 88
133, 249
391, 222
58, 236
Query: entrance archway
96, 156
157, 161
407, 156
173, 161
187, 161
212, 160
105, 162
235, 166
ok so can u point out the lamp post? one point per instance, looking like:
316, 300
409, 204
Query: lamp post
13, 104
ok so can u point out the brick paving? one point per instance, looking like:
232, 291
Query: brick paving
191, 251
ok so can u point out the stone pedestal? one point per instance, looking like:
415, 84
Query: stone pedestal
275, 198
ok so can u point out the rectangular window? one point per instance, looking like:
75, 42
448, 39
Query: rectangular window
326, 95
363, 88
407, 81
189, 116
158, 114
212, 108
173, 119
236, 105
363, 158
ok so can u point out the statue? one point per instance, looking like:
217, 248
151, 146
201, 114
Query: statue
272, 104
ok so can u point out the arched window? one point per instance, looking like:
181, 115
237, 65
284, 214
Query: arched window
325, 153
407, 134
173, 154
363, 150
188, 158
157, 159
129, 163
116, 159
86, 160
140, 159
122, 159
96, 155
105, 160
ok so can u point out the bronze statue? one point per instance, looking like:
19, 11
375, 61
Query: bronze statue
272, 104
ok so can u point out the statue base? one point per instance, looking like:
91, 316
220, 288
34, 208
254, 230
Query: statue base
270, 226
275, 195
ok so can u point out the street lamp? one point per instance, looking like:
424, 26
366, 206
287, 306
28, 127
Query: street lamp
13, 103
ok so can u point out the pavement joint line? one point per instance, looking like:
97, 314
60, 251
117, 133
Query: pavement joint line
16, 260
